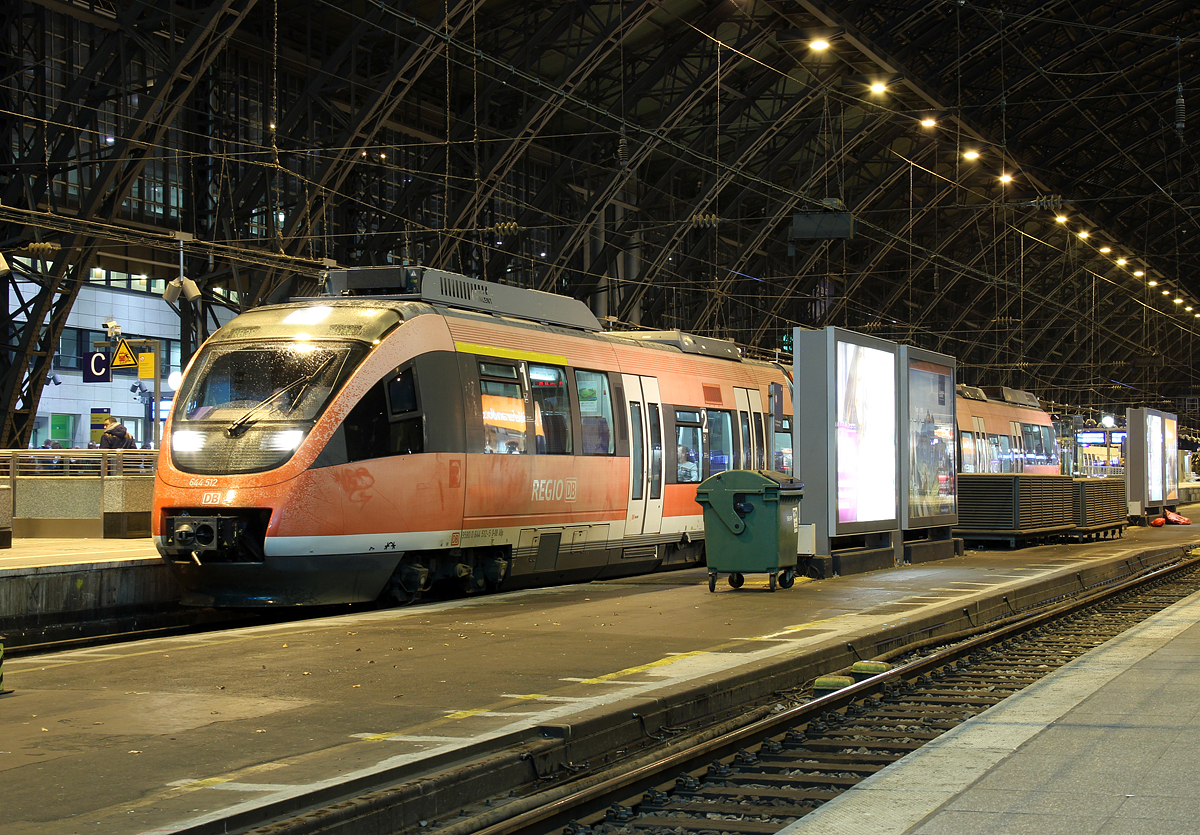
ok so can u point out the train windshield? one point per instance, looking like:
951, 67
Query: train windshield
268, 382
246, 407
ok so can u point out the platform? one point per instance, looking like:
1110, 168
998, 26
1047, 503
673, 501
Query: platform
170, 734
52, 581
1105, 745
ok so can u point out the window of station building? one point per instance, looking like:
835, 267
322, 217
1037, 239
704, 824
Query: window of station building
503, 407
720, 441
595, 413
552, 409
689, 449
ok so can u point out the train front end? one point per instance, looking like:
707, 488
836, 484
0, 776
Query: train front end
256, 408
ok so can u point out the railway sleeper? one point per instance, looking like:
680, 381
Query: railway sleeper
784, 807
727, 793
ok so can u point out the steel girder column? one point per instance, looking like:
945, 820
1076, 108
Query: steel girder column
190, 51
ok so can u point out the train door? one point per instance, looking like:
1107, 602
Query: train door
644, 515
751, 425
1018, 449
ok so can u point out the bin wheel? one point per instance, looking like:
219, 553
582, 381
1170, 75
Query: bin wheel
787, 578
771, 580
736, 580
712, 581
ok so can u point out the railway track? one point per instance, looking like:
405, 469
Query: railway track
759, 779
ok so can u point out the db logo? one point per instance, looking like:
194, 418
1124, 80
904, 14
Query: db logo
213, 497
454, 539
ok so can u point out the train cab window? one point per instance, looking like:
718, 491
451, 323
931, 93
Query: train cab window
967, 453
1050, 444
503, 407
720, 441
595, 413
783, 447
387, 420
552, 409
407, 431
689, 449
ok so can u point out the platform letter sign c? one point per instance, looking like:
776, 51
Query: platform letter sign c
96, 368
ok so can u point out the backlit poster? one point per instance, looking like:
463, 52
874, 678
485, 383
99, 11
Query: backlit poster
1170, 459
931, 465
1154, 456
866, 433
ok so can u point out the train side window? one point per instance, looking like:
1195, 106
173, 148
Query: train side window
367, 428
744, 463
783, 447
1050, 444
552, 409
720, 441
760, 447
688, 448
595, 413
503, 408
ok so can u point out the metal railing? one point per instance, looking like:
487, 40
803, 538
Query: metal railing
81, 463
1099, 470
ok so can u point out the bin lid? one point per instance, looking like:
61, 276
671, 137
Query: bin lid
749, 481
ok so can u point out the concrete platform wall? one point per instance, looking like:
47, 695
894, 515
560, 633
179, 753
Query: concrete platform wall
66, 593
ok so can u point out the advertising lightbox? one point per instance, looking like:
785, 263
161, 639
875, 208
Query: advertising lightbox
866, 433
1154, 456
1170, 459
928, 456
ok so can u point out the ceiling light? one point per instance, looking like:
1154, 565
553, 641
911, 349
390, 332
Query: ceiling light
1166, 292
1083, 234
819, 44
971, 155
928, 123
1139, 273
1106, 249
878, 87
1151, 282
1121, 262
1178, 301
1188, 308
1061, 218
1006, 178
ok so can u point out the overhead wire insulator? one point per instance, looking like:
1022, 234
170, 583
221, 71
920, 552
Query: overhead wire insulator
507, 228
41, 248
705, 221
623, 150
1180, 110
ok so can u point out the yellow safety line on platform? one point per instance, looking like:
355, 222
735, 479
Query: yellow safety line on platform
662, 662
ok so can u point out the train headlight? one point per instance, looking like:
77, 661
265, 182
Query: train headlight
288, 439
187, 440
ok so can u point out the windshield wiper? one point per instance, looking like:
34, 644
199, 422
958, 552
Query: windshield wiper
239, 426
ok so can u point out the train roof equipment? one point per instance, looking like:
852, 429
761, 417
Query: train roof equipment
444, 289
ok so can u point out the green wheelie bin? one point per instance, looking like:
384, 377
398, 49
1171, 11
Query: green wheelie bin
751, 525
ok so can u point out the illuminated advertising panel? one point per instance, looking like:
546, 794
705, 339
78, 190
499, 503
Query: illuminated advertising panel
1154, 456
1170, 459
866, 433
931, 467
1095, 438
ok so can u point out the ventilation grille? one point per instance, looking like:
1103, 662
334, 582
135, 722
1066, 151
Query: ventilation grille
453, 288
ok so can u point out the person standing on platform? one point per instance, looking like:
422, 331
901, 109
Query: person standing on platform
116, 436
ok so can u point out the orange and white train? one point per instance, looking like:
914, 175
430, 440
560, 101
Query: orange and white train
359, 446
1004, 430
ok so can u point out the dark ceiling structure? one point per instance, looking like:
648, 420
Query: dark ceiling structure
1021, 182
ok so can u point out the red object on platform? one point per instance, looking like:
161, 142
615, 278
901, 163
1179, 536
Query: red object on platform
1175, 519
1158, 523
